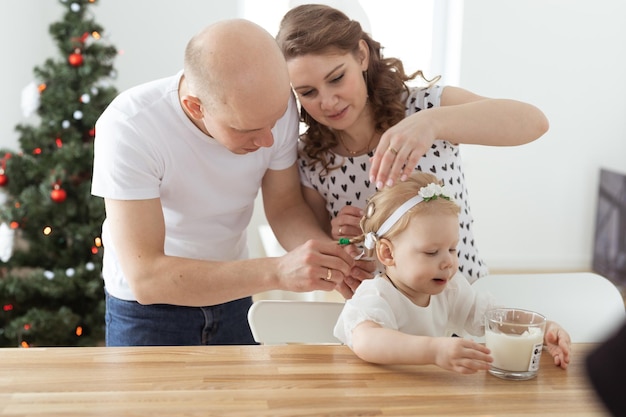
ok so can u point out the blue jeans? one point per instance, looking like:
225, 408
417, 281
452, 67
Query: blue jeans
129, 323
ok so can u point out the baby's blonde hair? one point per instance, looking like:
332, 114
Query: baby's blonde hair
384, 202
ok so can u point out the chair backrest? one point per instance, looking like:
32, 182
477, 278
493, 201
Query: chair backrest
587, 305
285, 321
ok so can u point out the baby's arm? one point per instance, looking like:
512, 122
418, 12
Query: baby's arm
377, 344
558, 343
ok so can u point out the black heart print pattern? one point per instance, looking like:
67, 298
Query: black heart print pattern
349, 184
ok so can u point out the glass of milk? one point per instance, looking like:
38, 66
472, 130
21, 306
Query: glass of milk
515, 338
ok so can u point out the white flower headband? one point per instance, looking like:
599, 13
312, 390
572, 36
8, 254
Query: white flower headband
431, 192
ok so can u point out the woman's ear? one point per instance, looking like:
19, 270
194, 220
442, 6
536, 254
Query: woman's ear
364, 55
192, 105
384, 252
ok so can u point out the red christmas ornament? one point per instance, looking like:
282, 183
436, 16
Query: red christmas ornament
58, 194
3, 165
75, 59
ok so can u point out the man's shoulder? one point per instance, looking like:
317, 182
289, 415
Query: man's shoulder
143, 96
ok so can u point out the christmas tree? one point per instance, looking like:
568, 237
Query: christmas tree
51, 290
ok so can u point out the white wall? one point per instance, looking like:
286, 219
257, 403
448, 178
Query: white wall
534, 205
24, 43
150, 35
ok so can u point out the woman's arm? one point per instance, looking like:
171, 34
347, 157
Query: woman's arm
463, 117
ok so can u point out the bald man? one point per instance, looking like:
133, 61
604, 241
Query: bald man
179, 162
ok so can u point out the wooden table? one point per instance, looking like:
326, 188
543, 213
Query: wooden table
294, 380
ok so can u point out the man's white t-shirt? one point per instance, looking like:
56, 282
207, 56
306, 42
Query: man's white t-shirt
146, 147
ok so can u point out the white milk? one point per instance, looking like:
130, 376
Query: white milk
514, 352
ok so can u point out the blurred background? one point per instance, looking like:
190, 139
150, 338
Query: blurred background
535, 206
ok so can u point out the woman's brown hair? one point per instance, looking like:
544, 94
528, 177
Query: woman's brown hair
317, 29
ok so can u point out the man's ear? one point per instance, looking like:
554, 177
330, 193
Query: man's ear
384, 252
192, 105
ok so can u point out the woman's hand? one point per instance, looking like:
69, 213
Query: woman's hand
347, 223
362, 269
400, 149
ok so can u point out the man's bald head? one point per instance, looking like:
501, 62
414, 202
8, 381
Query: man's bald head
235, 62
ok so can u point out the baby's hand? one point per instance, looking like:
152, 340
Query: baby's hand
558, 344
461, 355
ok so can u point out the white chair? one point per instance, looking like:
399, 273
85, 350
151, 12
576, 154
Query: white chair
275, 322
587, 305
